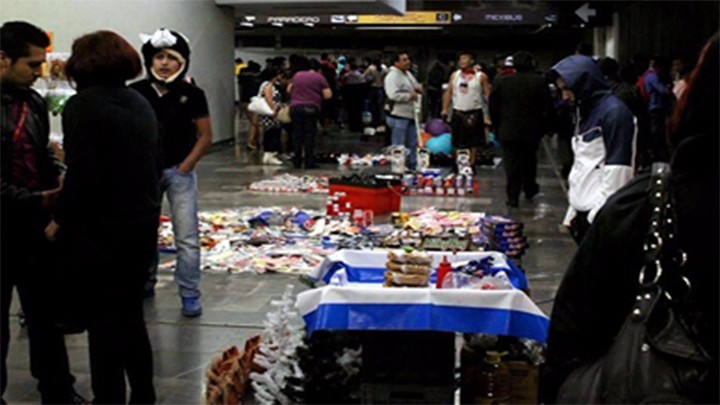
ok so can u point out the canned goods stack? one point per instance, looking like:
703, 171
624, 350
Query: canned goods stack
432, 182
363, 218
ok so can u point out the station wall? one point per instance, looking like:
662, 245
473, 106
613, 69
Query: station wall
209, 28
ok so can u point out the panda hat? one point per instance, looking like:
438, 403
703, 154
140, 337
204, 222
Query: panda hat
171, 42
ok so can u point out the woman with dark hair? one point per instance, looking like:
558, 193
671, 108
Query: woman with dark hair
111, 152
274, 82
599, 288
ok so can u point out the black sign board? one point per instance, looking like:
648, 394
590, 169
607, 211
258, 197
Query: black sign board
505, 17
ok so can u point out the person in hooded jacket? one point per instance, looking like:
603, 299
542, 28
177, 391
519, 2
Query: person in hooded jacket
186, 135
603, 143
585, 319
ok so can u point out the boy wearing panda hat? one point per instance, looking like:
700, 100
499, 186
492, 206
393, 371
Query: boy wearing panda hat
186, 135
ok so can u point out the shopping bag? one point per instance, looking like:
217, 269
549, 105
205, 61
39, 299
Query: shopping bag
283, 115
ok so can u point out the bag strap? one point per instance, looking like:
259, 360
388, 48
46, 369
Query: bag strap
662, 252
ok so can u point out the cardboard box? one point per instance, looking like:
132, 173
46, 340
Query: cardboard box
524, 382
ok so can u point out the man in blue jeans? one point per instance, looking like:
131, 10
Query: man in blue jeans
402, 90
186, 135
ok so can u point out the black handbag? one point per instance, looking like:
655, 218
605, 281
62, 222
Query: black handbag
655, 357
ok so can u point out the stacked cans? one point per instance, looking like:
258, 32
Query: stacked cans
432, 182
504, 235
363, 218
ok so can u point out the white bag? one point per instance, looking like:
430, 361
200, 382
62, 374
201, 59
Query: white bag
259, 106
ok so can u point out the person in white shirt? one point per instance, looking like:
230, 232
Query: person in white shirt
468, 90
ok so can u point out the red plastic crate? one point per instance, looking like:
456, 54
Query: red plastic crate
380, 200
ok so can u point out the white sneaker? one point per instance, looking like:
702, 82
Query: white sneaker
270, 158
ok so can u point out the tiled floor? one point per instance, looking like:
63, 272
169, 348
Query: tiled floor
235, 305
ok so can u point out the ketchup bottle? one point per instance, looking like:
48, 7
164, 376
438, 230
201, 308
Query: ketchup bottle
442, 270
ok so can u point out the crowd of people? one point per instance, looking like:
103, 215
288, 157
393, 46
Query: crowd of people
361, 101
128, 146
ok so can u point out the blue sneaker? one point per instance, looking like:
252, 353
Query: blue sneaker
191, 307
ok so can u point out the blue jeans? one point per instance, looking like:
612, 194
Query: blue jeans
404, 133
181, 190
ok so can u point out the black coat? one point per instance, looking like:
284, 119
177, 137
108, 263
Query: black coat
112, 154
599, 287
519, 106
19, 199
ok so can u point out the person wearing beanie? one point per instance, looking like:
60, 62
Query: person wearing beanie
186, 135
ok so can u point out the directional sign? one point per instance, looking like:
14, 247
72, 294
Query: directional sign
585, 12
492, 16
505, 16
410, 18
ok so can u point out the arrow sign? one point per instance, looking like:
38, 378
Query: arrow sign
457, 17
585, 12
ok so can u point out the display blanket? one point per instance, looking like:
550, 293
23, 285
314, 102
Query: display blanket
292, 240
372, 307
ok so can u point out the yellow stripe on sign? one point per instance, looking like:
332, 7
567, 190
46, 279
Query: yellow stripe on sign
410, 18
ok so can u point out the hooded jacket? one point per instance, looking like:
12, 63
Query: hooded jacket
604, 140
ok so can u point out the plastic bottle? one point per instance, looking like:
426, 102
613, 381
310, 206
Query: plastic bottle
366, 114
443, 269
495, 379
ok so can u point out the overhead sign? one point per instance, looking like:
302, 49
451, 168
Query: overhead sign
251, 20
410, 18
467, 17
505, 17
585, 12
304, 19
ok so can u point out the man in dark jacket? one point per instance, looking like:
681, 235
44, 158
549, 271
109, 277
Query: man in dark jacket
31, 180
519, 104
437, 79
603, 142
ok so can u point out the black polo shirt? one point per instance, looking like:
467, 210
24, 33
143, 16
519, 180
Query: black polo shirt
176, 112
